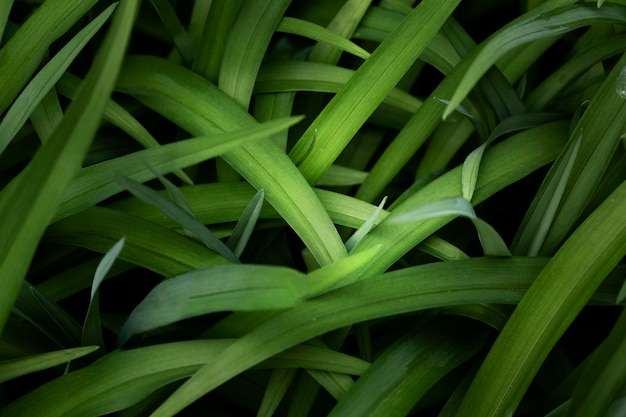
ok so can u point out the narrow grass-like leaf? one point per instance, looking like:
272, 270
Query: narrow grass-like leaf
409, 289
199, 107
337, 385
358, 99
127, 376
97, 182
45, 80
244, 227
246, 46
175, 28
537, 224
45, 315
337, 175
27, 204
360, 233
600, 128
14, 368
5, 9
314, 76
530, 27
148, 245
320, 34
604, 376
344, 23
24, 51
471, 164
69, 85
221, 288
424, 356
277, 387
492, 243
179, 215
47, 116
550, 305
502, 164
92, 330
210, 47
604, 48
175, 194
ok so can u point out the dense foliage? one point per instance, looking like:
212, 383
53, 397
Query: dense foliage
291, 208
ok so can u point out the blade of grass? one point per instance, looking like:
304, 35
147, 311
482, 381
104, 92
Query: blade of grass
537, 24
550, 305
175, 28
246, 46
502, 164
24, 51
600, 128
69, 85
604, 377
5, 9
199, 107
46, 78
179, 215
92, 329
95, 183
148, 245
534, 232
492, 243
127, 376
47, 116
28, 202
24, 366
358, 99
360, 233
220, 288
217, 26
446, 283
320, 34
424, 357
314, 76
245, 225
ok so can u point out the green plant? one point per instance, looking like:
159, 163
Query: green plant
260, 207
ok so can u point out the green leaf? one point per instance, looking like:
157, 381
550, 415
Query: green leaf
540, 23
27, 47
199, 107
358, 99
127, 376
472, 162
69, 85
27, 203
492, 243
45, 80
540, 216
424, 357
147, 244
95, 183
360, 233
320, 34
604, 376
246, 46
23, 366
409, 289
175, 28
244, 227
548, 308
314, 76
220, 288
179, 215
92, 330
